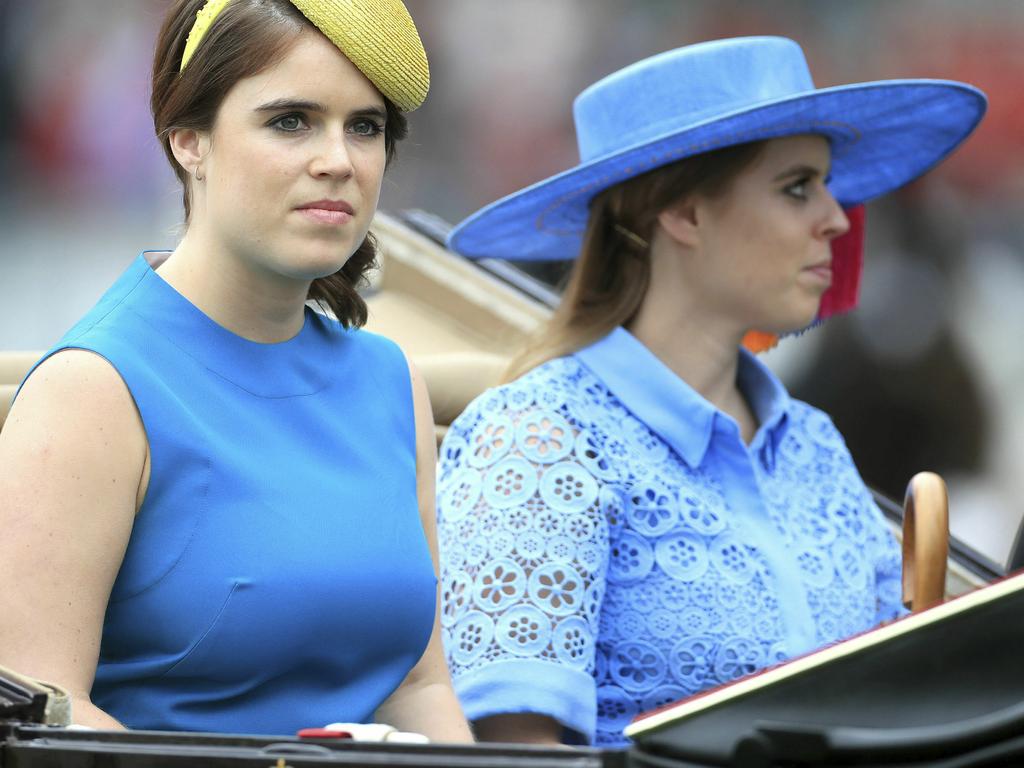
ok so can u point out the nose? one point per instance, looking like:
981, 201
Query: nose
834, 221
331, 158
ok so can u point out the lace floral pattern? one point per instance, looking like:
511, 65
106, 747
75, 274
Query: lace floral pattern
571, 534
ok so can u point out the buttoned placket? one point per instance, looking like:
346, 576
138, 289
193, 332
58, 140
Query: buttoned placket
735, 465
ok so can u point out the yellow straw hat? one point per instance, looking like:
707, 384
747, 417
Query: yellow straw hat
378, 36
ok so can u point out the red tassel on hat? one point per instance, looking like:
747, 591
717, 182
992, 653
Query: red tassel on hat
847, 264
842, 295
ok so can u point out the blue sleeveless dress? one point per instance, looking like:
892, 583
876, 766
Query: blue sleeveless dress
277, 576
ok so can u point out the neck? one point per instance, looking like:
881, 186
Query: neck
234, 292
699, 346
704, 359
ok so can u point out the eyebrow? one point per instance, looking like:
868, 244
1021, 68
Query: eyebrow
279, 104
299, 105
800, 170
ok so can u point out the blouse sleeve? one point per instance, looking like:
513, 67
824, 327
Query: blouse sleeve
888, 558
881, 546
524, 553
870, 529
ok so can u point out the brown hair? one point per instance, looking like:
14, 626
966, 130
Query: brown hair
247, 37
609, 280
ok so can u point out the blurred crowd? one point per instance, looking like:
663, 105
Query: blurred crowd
927, 374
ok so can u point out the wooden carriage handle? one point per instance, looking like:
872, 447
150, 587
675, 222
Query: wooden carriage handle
925, 541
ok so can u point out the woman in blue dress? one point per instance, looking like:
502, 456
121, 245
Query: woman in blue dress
645, 512
217, 503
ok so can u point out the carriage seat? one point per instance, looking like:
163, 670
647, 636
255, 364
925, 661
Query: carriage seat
455, 378
13, 368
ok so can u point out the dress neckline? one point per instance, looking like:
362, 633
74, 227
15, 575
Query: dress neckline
289, 368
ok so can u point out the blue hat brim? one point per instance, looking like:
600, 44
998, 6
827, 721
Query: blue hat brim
883, 135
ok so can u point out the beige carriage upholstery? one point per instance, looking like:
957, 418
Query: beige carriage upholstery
459, 324
13, 367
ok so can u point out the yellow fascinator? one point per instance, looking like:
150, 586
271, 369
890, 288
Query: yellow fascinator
378, 36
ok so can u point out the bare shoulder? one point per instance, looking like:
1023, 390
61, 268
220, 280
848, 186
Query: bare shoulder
74, 412
72, 389
69, 372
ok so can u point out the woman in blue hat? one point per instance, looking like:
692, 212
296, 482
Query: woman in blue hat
644, 512
216, 502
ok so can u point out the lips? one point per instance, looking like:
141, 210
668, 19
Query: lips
822, 271
327, 212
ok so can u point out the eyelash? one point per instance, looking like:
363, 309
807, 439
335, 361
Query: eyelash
804, 182
376, 128
276, 122
801, 184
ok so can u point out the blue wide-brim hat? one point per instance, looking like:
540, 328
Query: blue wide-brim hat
717, 94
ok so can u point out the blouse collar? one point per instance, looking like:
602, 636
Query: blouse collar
676, 411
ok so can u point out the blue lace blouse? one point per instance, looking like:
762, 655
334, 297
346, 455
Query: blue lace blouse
609, 544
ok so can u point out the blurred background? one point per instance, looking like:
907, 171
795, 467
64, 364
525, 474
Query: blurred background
927, 374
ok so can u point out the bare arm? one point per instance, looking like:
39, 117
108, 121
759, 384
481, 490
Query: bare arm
425, 702
73, 457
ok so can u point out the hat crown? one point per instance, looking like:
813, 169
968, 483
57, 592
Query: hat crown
682, 88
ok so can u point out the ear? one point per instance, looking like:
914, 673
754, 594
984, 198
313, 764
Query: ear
190, 147
680, 222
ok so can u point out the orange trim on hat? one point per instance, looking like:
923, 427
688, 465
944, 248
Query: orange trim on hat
760, 341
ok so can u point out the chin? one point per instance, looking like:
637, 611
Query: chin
317, 263
792, 324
